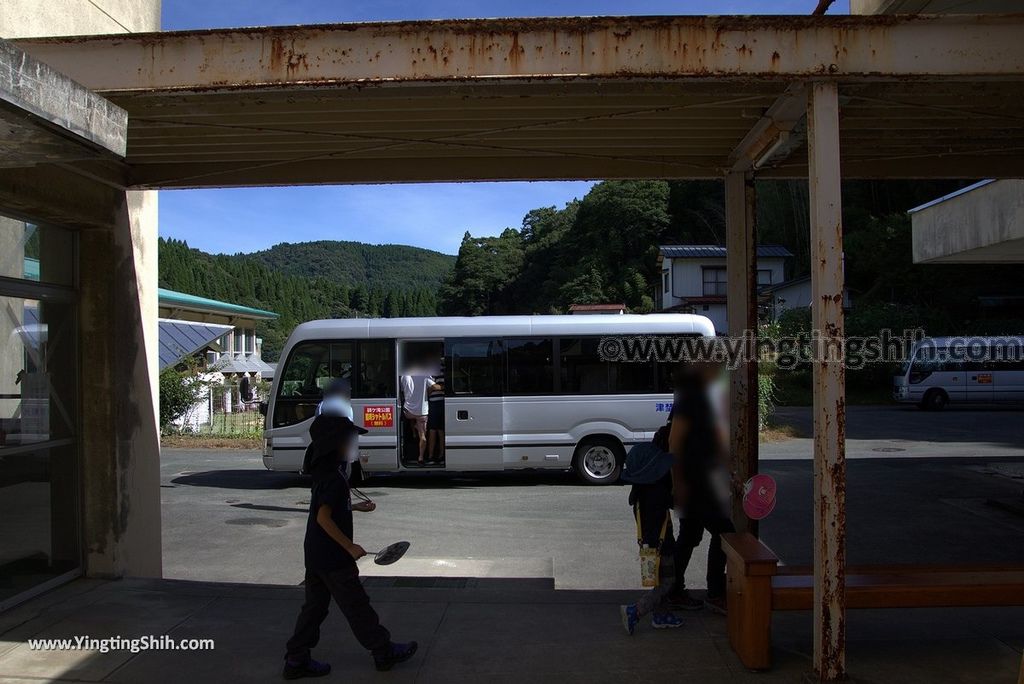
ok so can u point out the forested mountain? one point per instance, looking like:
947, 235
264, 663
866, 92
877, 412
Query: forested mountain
302, 282
382, 267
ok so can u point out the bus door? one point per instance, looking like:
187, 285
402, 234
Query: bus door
422, 360
474, 423
375, 405
978, 380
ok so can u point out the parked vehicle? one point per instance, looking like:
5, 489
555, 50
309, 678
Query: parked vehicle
944, 370
520, 391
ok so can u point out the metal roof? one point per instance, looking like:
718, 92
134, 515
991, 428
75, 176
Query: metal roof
556, 98
181, 339
706, 251
248, 363
179, 300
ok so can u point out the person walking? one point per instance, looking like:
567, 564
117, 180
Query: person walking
330, 556
699, 481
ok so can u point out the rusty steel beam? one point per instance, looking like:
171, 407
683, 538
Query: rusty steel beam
829, 382
703, 48
741, 306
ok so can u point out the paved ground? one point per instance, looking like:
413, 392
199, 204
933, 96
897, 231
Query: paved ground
225, 518
909, 432
228, 519
487, 631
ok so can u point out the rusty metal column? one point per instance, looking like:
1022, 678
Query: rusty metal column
741, 268
829, 382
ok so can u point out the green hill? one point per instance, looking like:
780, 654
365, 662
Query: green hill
387, 267
307, 281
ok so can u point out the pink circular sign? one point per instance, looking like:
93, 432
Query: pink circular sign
759, 497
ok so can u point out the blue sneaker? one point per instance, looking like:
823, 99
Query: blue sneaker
630, 618
666, 621
309, 668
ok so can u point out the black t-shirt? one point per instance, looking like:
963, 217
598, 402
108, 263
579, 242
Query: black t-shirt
700, 447
321, 551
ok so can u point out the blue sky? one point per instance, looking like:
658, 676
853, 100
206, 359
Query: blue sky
434, 216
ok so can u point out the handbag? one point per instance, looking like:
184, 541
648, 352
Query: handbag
650, 558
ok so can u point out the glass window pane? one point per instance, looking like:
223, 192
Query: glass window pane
38, 517
38, 371
583, 371
34, 252
376, 370
474, 367
531, 366
632, 378
308, 370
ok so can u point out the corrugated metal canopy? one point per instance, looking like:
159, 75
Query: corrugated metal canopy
181, 339
630, 97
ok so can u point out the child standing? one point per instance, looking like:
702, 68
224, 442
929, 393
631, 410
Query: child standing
649, 469
331, 555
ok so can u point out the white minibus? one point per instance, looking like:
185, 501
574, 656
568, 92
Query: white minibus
520, 392
944, 370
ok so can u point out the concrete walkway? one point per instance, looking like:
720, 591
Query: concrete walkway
473, 630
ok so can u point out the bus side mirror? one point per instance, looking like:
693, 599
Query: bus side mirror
263, 409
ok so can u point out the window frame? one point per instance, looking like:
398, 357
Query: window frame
724, 282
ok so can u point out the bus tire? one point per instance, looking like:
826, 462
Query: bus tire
934, 400
598, 460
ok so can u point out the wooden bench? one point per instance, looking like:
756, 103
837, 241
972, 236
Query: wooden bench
757, 585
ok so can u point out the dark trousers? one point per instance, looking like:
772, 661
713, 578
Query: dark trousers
703, 514
346, 589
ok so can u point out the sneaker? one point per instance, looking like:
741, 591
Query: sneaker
716, 604
630, 618
398, 653
666, 621
681, 600
309, 668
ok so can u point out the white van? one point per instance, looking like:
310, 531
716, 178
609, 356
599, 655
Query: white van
942, 370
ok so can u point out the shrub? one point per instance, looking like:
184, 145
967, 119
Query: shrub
180, 389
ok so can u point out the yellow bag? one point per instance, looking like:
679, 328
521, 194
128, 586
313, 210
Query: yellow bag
650, 558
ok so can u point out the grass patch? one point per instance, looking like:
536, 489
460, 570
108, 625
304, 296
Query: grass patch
202, 441
778, 433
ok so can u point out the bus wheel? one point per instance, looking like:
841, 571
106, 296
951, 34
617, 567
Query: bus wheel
934, 400
598, 460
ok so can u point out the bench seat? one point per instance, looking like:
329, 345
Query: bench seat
757, 585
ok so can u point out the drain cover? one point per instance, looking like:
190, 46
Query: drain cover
257, 522
888, 450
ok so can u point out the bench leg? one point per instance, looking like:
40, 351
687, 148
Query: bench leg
750, 618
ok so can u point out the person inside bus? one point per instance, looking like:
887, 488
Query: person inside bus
414, 405
649, 470
337, 398
330, 556
435, 422
699, 480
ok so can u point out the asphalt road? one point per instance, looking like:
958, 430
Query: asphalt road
225, 518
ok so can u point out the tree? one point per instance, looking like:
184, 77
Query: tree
180, 388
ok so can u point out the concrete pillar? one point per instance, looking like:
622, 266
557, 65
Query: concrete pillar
829, 382
120, 440
741, 267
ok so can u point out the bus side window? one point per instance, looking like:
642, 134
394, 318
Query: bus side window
583, 371
531, 366
376, 377
474, 367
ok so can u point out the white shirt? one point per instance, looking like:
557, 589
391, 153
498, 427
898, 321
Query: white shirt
414, 389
